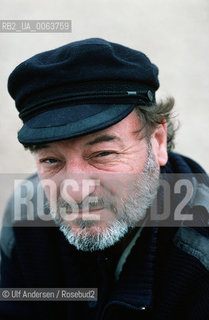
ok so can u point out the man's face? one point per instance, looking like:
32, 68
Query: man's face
105, 181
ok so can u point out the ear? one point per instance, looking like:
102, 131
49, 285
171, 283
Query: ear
159, 143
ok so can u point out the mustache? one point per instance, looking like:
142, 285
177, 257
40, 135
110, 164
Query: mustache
86, 205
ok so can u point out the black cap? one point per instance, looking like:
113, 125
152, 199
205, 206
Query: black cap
80, 88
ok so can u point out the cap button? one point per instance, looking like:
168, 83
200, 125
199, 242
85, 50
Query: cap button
150, 95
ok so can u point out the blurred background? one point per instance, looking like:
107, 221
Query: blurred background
174, 35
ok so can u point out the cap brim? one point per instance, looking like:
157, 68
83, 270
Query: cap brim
71, 121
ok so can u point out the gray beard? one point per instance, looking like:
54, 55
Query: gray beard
131, 211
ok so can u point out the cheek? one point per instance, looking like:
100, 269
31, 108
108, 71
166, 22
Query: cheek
122, 184
119, 186
50, 184
134, 163
51, 191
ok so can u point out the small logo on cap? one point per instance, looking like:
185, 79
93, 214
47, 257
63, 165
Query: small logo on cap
132, 93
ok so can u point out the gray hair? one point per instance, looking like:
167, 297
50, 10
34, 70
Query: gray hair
157, 114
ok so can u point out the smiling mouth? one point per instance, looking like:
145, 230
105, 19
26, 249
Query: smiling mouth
92, 214
84, 211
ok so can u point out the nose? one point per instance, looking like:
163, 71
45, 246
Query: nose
78, 182
76, 189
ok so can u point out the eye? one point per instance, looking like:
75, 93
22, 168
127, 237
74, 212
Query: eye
104, 154
49, 161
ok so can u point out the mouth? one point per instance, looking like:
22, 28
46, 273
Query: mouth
93, 214
90, 214
83, 211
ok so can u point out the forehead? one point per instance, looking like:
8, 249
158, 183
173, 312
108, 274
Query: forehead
119, 133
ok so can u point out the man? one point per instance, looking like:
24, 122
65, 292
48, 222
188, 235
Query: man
100, 142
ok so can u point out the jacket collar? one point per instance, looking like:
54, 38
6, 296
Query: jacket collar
134, 289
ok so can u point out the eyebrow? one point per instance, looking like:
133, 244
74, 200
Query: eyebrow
103, 138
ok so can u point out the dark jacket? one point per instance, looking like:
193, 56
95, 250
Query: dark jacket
165, 275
